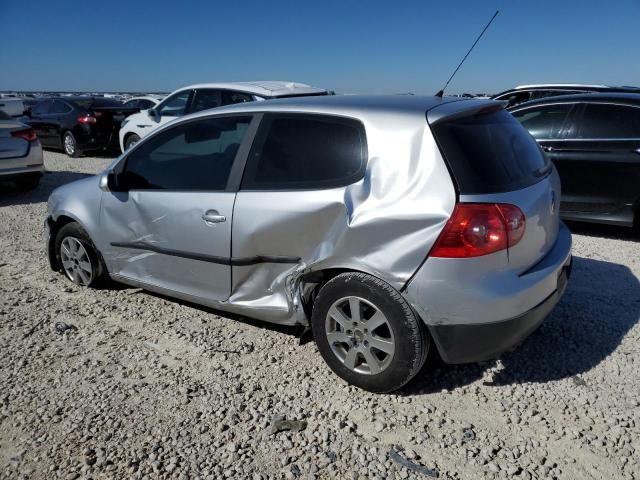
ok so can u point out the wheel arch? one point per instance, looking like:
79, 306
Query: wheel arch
54, 225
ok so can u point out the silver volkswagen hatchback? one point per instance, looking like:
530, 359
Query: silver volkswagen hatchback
386, 224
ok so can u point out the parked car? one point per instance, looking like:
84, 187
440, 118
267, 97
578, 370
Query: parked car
20, 153
195, 98
594, 141
77, 124
525, 93
385, 223
143, 103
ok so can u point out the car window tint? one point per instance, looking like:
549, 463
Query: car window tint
544, 122
41, 108
306, 152
144, 104
609, 121
230, 97
132, 103
204, 99
197, 155
175, 105
59, 107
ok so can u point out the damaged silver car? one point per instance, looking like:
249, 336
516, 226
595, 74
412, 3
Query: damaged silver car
387, 224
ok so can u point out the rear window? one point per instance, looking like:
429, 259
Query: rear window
490, 153
98, 102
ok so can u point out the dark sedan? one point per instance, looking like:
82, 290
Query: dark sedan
77, 124
594, 141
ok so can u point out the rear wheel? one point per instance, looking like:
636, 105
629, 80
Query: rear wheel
27, 182
78, 257
70, 145
131, 141
367, 332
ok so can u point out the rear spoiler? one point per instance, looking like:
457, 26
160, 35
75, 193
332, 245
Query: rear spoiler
463, 108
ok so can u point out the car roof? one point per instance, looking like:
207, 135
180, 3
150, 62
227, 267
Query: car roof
267, 88
350, 105
593, 97
559, 85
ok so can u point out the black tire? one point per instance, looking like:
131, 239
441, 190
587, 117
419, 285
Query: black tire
98, 269
130, 141
407, 331
27, 182
70, 146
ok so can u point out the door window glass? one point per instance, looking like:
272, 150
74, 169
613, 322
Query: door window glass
306, 152
175, 105
197, 155
205, 99
59, 107
230, 97
603, 121
545, 122
41, 108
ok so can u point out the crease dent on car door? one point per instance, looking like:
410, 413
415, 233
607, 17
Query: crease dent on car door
171, 228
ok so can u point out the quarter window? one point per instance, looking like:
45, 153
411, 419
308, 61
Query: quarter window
544, 122
602, 121
175, 105
231, 97
306, 152
197, 155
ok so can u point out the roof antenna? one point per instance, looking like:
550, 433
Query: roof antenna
441, 92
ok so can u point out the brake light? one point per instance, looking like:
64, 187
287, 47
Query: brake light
28, 134
87, 119
477, 229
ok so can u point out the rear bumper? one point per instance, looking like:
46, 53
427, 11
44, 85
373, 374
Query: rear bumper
475, 311
10, 174
477, 342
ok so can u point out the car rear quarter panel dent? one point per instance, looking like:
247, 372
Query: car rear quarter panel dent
384, 225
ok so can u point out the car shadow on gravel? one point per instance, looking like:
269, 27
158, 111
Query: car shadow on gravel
605, 231
601, 304
11, 195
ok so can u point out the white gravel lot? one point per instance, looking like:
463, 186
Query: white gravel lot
147, 387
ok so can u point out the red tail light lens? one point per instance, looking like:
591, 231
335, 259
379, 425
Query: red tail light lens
477, 229
87, 119
28, 134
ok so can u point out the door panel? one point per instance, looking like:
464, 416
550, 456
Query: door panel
161, 238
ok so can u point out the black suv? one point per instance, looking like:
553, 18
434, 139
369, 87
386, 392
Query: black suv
526, 93
77, 124
594, 141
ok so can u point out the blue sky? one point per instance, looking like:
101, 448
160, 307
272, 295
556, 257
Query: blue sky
350, 46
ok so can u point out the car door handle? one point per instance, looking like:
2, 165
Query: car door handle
213, 216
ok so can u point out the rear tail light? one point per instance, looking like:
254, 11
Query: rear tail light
28, 134
477, 229
87, 119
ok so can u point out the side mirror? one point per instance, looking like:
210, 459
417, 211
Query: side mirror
152, 113
109, 182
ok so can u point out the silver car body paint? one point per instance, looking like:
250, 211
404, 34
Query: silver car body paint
385, 224
17, 155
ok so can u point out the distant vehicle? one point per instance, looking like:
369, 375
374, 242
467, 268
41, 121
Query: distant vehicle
77, 124
12, 106
389, 225
594, 141
526, 93
143, 103
195, 98
20, 153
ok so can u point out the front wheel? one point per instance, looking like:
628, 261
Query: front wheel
70, 145
78, 257
367, 333
131, 141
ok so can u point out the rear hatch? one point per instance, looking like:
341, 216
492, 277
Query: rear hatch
493, 159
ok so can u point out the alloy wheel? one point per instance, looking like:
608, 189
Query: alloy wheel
69, 145
360, 335
75, 261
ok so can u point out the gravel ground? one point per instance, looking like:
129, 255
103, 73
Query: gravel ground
145, 387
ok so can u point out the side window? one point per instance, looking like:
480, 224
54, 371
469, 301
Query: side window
306, 152
144, 104
41, 108
609, 121
175, 105
59, 107
230, 97
197, 155
544, 122
204, 99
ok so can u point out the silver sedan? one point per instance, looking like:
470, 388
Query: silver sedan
20, 153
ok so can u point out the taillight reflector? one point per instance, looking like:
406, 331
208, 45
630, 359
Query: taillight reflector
477, 229
28, 134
